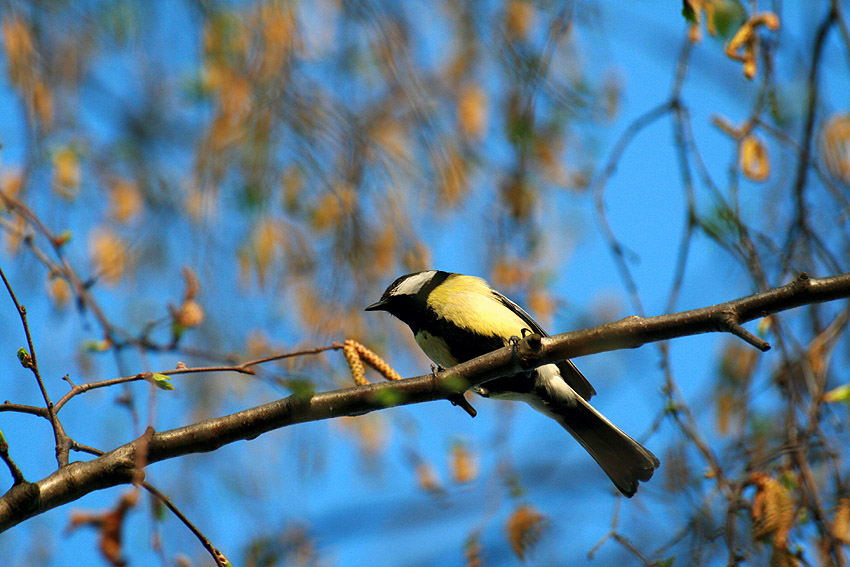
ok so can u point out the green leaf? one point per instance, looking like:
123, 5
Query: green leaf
728, 17
161, 381
688, 12
94, 345
839, 394
24, 358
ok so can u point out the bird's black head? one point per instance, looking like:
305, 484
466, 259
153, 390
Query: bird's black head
406, 298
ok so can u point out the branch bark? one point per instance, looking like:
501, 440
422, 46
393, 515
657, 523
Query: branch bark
77, 479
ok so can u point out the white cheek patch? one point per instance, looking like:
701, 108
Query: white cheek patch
413, 284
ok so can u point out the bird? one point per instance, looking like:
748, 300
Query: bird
455, 318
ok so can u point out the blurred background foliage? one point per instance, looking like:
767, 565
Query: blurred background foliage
212, 182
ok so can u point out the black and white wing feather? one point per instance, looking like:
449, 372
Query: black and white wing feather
569, 372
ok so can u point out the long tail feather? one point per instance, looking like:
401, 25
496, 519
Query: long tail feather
624, 460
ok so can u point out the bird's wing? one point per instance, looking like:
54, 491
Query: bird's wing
569, 372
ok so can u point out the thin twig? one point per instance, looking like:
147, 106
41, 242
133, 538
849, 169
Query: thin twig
32, 364
166, 501
17, 475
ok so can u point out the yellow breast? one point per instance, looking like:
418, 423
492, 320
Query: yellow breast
468, 302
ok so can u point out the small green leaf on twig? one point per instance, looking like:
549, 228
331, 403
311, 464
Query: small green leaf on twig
839, 394
24, 357
161, 381
94, 345
63, 238
220, 559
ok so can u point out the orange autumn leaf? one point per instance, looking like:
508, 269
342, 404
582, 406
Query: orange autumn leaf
125, 200
472, 110
108, 254
519, 18
753, 158
835, 145
524, 527
463, 464
109, 525
841, 522
66, 172
772, 510
427, 478
59, 291
452, 178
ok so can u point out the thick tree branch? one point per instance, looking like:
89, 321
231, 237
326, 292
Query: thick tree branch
119, 466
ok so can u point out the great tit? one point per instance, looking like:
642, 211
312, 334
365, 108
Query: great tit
455, 318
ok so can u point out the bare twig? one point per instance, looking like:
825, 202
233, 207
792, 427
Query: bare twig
205, 542
31, 363
17, 475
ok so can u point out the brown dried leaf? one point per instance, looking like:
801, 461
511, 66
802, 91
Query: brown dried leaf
781, 557
190, 314
835, 145
12, 239
327, 213
193, 283
385, 245
108, 254
416, 257
279, 32
542, 304
264, 244
525, 527
509, 273
738, 362
391, 136
11, 182
125, 200
452, 178
473, 551
20, 48
66, 172
772, 511
463, 464
59, 291
519, 196
519, 17
427, 478
109, 526
726, 405
472, 110
291, 188
41, 101
841, 522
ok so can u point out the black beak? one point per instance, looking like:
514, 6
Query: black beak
378, 306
